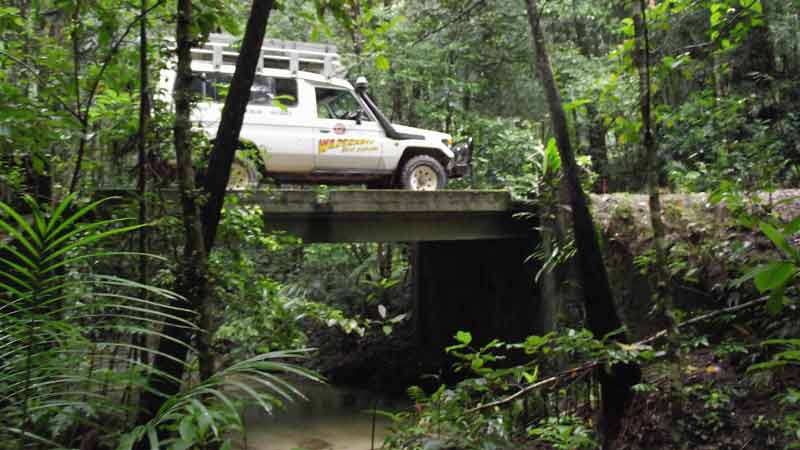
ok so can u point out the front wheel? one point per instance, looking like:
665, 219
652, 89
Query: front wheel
423, 173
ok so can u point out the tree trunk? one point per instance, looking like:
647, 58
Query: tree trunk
83, 116
601, 315
356, 34
757, 54
227, 140
416, 94
141, 184
598, 150
192, 280
662, 294
596, 129
199, 236
398, 91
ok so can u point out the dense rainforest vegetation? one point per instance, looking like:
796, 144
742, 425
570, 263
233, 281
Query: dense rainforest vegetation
658, 142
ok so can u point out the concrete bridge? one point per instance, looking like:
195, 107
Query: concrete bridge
470, 251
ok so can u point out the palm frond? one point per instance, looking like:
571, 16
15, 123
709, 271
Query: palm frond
52, 312
71, 341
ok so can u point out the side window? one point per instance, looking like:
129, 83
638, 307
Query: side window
338, 104
265, 89
286, 90
213, 87
210, 86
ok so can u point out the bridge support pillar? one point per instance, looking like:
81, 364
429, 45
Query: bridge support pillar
485, 287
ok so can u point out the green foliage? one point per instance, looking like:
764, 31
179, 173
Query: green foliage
789, 356
715, 140
459, 415
206, 413
717, 413
777, 276
71, 340
732, 20
565, 433
53, 371
268, 310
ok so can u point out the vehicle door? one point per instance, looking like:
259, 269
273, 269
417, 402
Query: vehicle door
284, 144
347, 138
274, 123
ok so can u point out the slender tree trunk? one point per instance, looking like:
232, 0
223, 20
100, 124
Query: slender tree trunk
84, 117
662, 294
416, 94
141, 184
448, 121
356, 34
398, 89
598, 149
596, 129
757, 54
224, 151
192, 279
601, 315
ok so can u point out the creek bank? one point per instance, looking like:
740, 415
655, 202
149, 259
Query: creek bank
384, 363
708, 250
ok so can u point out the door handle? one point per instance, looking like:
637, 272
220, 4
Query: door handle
324, 131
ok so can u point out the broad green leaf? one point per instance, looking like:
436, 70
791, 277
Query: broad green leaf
775, 302
152, 436
773, 275
792, 227
187, 429
777, 238
464, 337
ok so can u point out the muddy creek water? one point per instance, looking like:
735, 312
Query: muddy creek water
333, 418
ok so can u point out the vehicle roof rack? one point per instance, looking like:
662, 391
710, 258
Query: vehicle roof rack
322, 59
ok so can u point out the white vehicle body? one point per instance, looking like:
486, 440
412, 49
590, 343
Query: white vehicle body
323, 130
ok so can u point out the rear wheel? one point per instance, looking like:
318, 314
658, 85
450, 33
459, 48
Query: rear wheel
242, 177
423, 173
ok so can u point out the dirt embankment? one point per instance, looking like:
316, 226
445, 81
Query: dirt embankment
709, 245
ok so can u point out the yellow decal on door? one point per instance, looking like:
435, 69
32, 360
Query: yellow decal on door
347, 145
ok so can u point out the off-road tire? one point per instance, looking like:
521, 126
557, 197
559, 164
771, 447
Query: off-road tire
418, 174
242, 176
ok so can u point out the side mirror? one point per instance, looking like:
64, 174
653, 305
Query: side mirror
361, 84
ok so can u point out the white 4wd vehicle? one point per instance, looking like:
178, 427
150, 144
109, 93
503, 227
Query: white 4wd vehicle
323, 130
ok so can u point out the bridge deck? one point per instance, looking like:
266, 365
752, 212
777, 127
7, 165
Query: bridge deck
386, 215
392, 215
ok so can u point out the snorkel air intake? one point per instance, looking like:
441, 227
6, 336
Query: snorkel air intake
361, 89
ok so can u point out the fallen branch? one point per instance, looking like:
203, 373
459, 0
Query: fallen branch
572, 373
539, 384
705, 317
